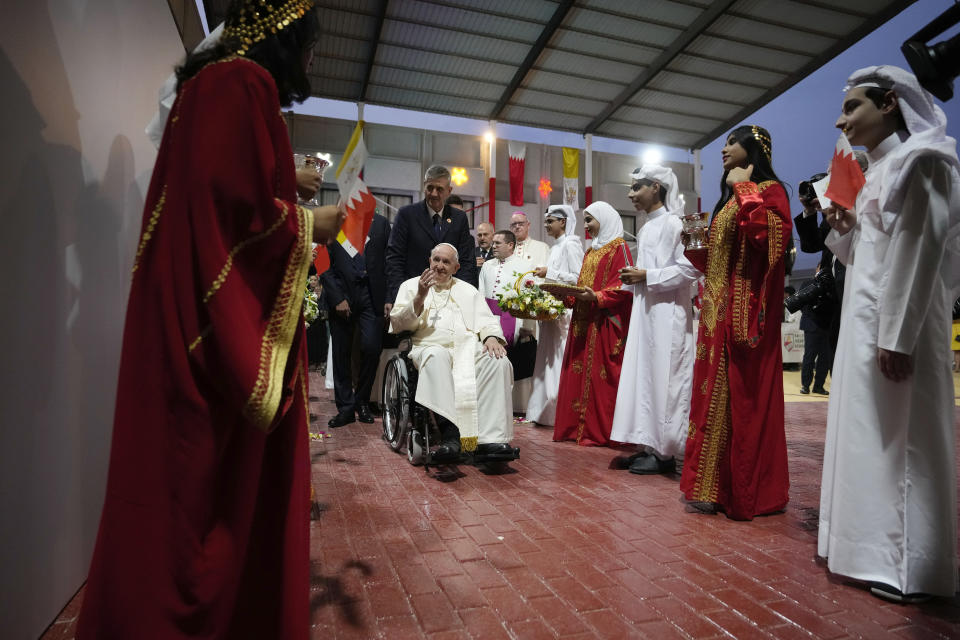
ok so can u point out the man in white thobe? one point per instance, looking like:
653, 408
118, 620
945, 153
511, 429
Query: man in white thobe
888, 501
458, 350
653, 399
563, 265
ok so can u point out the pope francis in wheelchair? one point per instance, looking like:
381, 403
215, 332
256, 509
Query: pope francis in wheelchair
455, 370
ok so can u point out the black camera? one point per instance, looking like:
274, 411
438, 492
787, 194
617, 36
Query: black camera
938, 64
823, 287
805, 189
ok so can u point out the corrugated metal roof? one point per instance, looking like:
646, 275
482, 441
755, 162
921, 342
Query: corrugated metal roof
677, 72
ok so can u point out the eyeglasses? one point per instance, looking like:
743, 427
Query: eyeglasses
518, 224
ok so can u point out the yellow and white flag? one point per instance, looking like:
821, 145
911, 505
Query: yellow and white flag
571, 177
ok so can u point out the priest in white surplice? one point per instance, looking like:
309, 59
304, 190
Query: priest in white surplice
563, 265
531, 250
888, 502
500, 273
653, 399
496, 275
458, 350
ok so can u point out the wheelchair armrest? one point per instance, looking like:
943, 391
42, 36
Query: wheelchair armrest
406, 342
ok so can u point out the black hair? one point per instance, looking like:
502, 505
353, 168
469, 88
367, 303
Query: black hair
643, 182
508, 236
877, 95
756, 155
455, 201
280, 53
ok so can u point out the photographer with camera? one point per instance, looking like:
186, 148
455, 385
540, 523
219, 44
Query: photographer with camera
818, 303
812, 236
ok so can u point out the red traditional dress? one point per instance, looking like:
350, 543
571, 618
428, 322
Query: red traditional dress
594, 352
205, 525
736, 453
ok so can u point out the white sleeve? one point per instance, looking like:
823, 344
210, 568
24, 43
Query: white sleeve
677, 271
915, 255
571, 261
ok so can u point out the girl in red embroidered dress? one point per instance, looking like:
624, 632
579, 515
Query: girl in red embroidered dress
736, 453
598, 330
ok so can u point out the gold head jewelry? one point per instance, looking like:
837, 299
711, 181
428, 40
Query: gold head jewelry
763, 139
258, 18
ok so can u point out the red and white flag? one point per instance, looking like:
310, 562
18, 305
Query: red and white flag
846, 177
517, 152
356, 197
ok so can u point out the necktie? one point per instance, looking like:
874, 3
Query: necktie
436, 225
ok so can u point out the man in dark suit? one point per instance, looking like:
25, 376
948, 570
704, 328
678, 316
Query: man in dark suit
355, 289
484, 251
816, 321
421, 226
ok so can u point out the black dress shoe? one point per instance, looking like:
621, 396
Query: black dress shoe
821, 391
494, 448
804, 390
364, 414
447, 452
342, 418
651, 465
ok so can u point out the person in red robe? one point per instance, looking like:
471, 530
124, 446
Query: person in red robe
598, 331
205, 524
736, 451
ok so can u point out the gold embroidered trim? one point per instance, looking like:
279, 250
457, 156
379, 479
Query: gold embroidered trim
469, 444
148, 231
701, 351
587, 377
196, 341
261, 406
716, 432
228, 264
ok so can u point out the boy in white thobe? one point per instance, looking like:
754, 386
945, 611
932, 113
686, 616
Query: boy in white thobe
653, 399
888, 502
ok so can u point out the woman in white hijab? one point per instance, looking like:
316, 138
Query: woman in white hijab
598, 330
563, 265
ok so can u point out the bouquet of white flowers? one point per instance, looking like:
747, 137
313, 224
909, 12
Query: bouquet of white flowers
526, 300
311, 310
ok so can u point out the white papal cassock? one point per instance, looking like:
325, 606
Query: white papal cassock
653, 399
888, 502
456, 378
563, 265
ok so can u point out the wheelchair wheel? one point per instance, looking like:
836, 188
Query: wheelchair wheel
396, 403
416, 451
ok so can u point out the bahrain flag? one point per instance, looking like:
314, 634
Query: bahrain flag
354, 194
517, 152
846, 177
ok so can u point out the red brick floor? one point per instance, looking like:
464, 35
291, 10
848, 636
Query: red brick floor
565, 547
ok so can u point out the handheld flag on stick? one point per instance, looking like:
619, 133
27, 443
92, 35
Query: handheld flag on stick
356, 197
846, 177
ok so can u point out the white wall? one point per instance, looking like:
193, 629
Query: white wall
79, 82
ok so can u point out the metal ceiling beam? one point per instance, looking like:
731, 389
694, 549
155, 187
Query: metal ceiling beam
380, 16
548, 30
703, 22
854, 36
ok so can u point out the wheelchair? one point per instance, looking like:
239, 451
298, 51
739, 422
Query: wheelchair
411, 427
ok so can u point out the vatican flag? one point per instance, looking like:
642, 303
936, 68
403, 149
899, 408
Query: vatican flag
571, 177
